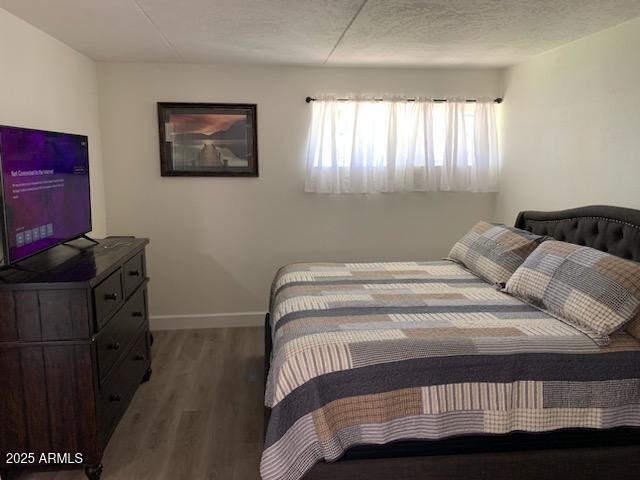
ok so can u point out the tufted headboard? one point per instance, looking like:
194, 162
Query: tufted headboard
615, 230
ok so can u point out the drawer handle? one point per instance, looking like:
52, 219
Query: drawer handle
111, 296
140, 357
134, 273
114, 346
136, 314
115, 398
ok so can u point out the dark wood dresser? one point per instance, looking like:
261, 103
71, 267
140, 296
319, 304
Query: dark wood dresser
74, 346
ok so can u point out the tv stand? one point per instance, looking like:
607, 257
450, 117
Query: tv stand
17, 266
74, 347
85, 237
47, 260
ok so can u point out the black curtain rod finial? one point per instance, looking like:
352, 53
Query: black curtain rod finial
497, 100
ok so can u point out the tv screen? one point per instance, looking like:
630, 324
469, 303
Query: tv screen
45, 190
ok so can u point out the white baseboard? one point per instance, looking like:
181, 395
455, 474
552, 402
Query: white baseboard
207, 320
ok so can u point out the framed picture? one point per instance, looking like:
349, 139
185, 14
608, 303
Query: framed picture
208, 139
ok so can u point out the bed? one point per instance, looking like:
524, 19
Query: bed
423, 370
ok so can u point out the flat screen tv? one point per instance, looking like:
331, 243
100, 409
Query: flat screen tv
45, 191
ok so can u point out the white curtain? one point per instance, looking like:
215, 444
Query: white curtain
363, 145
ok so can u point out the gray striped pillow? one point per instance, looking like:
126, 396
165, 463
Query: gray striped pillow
494, 252
591, 290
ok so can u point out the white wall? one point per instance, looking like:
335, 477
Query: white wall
571, 126
46, 85
216, 242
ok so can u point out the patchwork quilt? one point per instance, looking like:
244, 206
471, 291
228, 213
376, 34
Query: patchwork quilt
373, 353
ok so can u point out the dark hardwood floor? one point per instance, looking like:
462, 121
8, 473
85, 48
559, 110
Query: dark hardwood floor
200, 417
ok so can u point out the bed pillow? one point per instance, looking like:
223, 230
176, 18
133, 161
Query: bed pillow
494, 252
591, 290
633, 328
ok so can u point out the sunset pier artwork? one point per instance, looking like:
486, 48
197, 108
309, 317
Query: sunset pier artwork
208, 139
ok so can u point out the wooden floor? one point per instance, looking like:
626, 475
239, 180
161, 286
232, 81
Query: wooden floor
200, 417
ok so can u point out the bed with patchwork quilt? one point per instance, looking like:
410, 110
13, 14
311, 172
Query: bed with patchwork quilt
373, 353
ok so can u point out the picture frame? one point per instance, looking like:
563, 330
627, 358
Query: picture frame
208, 139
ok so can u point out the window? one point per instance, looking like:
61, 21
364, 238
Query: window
440, 131
366, 146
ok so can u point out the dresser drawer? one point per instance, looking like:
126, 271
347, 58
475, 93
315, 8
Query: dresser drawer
120, 332
133, 273
116, 393
108, 297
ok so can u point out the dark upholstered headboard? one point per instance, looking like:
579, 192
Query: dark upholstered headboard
615, 230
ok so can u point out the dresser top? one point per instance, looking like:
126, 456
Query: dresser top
75, 264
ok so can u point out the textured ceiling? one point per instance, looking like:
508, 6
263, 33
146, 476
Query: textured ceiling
334, 32
498, 32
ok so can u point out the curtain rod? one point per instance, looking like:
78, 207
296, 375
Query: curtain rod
438, 100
